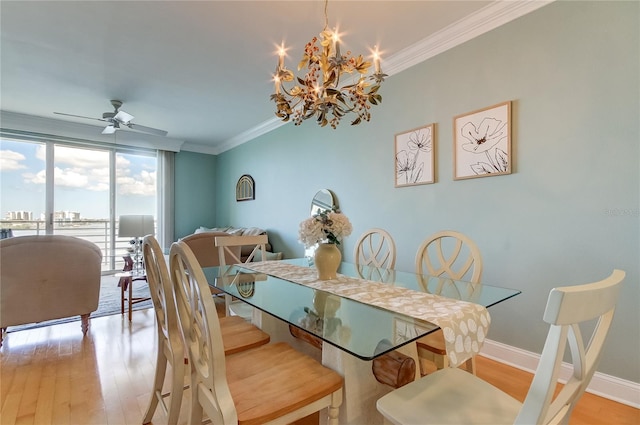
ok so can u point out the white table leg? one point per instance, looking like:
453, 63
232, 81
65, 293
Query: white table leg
361, 389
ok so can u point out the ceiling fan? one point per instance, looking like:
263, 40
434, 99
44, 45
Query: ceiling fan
119, 118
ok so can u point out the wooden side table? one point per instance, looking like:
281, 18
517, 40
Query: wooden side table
126, 285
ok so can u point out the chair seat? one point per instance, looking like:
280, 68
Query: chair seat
274, 380
468, 399
239, 335
433, 342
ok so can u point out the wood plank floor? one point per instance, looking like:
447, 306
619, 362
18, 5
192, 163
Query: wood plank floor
53, 375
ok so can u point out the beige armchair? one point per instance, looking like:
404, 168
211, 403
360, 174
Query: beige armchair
48, 277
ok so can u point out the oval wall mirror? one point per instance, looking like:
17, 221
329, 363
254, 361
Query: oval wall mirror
324, 199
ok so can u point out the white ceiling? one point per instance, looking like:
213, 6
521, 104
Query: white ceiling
201, 70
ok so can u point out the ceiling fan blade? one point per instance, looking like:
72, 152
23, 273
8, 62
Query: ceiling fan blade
110, 129
79, 116
145, 129
119, 117
123, 117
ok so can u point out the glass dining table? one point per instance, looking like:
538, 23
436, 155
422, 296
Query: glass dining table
362, 330
353, 333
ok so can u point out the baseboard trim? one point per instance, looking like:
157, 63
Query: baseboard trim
607, 386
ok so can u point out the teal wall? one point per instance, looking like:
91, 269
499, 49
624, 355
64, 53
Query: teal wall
568, 214
195, 193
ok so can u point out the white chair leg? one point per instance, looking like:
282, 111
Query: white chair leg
196, 411
334, 407
156, 390
177, 388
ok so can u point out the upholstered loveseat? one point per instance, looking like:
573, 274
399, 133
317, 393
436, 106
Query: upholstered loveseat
244, 231
48, 277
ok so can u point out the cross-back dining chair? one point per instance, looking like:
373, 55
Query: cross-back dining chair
452, 396
270, 384
203, 246
237, 334
229, 256
229, 249
452, 255
375, 255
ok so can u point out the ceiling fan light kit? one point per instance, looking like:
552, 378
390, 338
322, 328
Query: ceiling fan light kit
110, 129
318, 93
117, 118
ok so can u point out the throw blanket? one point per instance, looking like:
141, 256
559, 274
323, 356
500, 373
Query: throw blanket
464, 324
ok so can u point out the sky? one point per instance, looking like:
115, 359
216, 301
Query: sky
81, 179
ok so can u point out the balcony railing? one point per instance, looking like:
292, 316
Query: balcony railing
96, 231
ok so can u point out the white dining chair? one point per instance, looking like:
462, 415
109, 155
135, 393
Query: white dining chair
446, 254
375, 255
229, 249
452, 396
230, 256
271, 384
204, 248
237, 335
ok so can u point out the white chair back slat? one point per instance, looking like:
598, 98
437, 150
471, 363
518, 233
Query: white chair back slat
451, 254
258, 242
375, 255
567, 308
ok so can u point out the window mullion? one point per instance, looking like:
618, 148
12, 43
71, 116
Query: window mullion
49, 187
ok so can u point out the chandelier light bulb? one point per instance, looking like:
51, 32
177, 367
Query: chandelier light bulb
376, 60
281, 54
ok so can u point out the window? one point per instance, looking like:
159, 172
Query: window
49, 187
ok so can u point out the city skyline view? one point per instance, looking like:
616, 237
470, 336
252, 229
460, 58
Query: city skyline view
81, 181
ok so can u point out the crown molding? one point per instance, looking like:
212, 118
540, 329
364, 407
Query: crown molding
199, 148
484, 20
252, 133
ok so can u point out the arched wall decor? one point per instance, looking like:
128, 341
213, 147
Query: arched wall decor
245, 188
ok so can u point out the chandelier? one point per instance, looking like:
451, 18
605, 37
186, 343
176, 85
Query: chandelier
318, 93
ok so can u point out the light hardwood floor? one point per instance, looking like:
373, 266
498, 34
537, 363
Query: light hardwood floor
53, 375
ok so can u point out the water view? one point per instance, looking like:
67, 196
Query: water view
96, 231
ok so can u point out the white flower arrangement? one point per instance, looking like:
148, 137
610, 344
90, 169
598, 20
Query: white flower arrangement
325, 227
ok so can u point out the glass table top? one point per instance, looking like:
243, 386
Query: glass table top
362, 330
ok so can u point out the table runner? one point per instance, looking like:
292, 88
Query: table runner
464, 324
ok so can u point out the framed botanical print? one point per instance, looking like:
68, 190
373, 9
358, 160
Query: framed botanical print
414, 156
482, 142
